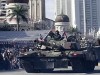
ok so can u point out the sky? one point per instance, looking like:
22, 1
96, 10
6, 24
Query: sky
50, 9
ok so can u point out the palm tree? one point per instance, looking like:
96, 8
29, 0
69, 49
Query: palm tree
20, 13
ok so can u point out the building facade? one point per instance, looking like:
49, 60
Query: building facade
89, 15
61, 6
37, 15
37, 10
84, 14
2, 7
2, 12
10, 4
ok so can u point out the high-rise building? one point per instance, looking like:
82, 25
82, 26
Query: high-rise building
37, 10
37, 13
84, 14
89, 13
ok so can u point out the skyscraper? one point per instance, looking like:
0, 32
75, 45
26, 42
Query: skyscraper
37, 9
89, 15
84, 14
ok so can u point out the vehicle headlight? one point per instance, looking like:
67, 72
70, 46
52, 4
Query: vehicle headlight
25, 54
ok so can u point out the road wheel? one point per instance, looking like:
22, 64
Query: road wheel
77, 65
28, 67
90, 65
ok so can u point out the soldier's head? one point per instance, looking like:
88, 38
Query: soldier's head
36, 40
57, 32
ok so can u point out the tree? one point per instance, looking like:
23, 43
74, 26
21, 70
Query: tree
18, 12
72, 30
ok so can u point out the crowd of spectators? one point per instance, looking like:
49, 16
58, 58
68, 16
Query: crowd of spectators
9, 57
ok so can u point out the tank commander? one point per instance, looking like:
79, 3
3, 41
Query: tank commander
51, 34
57, 36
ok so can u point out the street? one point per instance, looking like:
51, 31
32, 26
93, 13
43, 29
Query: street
56, 72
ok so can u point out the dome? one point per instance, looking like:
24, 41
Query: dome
62, 18
17, 1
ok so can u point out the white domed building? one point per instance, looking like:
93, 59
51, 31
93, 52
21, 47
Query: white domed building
61, 22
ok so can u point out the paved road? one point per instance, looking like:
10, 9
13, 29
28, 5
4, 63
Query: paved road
56, 72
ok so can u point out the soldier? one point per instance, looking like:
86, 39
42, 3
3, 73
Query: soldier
57, 36
51, 34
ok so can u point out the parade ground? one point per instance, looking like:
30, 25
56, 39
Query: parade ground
55, 72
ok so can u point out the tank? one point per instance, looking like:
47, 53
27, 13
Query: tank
60, 52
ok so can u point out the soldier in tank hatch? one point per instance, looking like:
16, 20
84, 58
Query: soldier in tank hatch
57, 36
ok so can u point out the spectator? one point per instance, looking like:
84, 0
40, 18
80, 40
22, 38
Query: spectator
1, 61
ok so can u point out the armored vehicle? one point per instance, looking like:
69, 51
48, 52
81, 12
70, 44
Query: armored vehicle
60, 52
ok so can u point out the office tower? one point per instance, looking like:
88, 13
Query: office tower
89, 16
84, 14
37, 10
